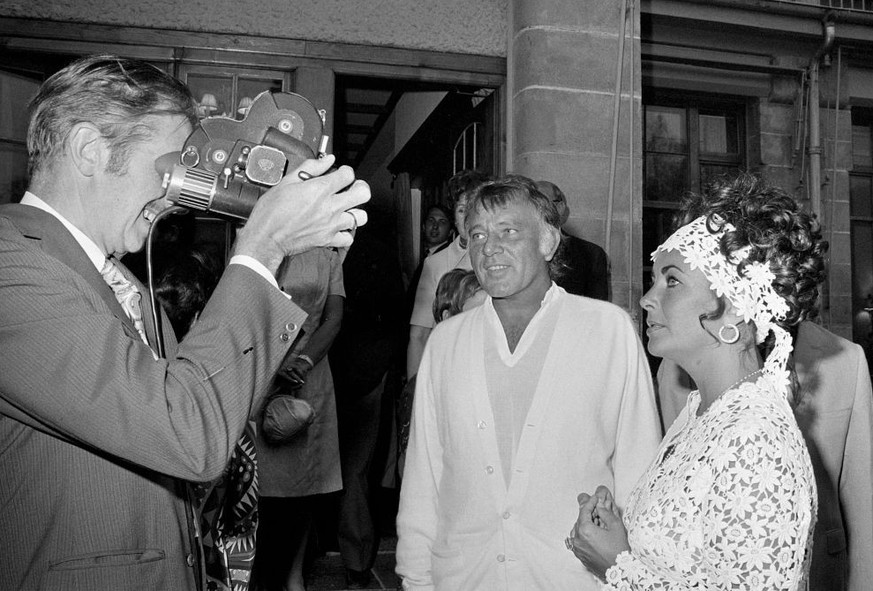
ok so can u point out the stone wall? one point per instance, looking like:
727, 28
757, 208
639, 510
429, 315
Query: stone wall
783, 158
460, 26
563, 86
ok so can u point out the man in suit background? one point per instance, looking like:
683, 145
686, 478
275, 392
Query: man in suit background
835, 414
97, 434
585, 269
436, 229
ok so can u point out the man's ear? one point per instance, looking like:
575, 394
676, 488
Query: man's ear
550, 238
87, 149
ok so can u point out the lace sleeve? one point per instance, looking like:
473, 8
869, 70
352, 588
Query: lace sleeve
749, 508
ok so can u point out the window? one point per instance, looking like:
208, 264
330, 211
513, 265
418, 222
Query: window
687, 141
228, 91
861, 220
16, 89
20, 77
467, 148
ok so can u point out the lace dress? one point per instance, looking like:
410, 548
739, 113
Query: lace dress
729, 503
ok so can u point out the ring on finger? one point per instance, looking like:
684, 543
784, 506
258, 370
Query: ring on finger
354, 221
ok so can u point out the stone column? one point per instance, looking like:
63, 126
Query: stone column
563, 59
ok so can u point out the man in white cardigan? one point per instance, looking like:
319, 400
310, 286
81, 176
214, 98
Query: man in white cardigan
520, 404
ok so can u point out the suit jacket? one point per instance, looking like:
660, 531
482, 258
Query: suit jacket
416, 277
835, 415
96, 436
585, 269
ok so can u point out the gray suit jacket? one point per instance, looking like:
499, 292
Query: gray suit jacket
835, 414
96, 436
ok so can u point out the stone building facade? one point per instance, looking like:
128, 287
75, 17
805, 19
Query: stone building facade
623, 104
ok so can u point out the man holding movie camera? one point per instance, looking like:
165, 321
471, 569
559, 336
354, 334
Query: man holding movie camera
97, 434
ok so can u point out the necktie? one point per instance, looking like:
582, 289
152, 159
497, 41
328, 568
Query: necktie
127, 295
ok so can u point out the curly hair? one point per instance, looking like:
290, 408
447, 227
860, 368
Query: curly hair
515, 188
453, 290
779, 232
465, 181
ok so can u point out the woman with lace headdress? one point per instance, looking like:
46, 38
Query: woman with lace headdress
730, 500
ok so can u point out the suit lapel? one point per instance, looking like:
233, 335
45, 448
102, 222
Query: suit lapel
57, 242
440, 248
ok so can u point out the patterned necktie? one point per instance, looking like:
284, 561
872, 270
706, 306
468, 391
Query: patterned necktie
127, 295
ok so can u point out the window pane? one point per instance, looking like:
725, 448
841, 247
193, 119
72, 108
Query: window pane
666, 177
710, 172
861, 204
862, 261
13, 172
657, 227
213, 94
862, 284
718, 133
862, 154
15, 92
665, 130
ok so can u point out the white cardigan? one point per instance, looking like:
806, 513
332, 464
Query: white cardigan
592, 421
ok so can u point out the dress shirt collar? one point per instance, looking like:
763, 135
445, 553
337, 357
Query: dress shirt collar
493, 324
436, 247
549, 297
97, 257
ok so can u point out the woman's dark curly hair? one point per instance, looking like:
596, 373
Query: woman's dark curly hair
780, 233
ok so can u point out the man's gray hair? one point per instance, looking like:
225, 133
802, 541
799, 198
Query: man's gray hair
112, 93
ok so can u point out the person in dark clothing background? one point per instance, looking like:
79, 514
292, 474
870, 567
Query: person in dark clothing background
366, 365
586, 266
436, 231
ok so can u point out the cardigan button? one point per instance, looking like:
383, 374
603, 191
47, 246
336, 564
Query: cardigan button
284, 337
190, 559
489, 469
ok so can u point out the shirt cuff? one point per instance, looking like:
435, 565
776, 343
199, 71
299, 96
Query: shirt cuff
256, 266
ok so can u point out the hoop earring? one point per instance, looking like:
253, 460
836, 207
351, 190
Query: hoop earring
731, 340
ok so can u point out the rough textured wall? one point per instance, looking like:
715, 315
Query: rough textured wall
464, 26
563, 95
789, 169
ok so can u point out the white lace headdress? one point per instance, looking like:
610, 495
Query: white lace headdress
750, 291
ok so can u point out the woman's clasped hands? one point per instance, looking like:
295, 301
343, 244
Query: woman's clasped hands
598, 535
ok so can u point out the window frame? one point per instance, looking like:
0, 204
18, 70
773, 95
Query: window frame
693, 105
861, 118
